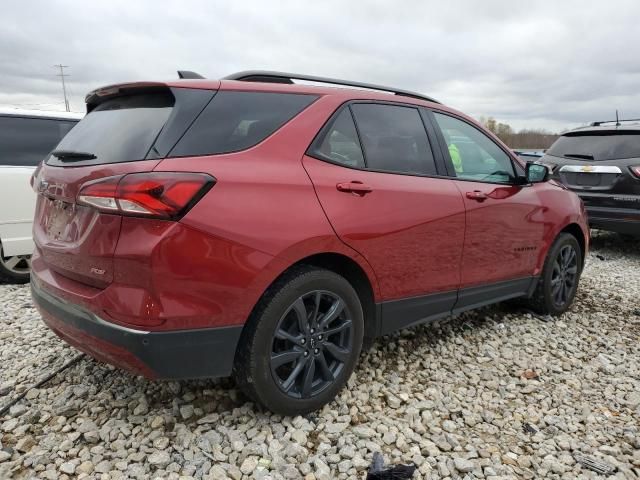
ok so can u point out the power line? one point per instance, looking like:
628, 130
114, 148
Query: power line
64, 87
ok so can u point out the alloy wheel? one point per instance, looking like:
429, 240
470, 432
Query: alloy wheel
564, 275
18, 264
312, 342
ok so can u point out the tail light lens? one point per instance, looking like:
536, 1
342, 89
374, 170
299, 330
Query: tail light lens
636, 170
165, 195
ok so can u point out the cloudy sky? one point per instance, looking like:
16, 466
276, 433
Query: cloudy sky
540, 64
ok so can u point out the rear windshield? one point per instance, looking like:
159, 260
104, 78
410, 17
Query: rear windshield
120, 129
599, 146
26, 141
235, 121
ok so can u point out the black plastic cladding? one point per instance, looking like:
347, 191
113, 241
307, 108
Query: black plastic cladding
189, 104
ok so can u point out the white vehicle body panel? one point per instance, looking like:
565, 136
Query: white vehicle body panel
17, 198
16, 210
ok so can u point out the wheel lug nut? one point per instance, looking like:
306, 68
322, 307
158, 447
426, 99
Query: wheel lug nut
316, 351
312, 330
303, 341
320, 337
306, 354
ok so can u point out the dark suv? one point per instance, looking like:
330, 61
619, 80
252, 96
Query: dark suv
199, 228
601, 163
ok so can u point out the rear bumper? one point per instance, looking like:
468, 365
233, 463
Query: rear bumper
621, 220
175, 354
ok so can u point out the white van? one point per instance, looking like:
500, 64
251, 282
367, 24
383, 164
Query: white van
26, 137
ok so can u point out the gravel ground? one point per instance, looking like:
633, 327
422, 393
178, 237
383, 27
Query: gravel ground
496, 393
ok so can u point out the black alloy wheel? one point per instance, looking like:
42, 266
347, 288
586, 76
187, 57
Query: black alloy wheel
558, 282
564, 275
302, 341
311, 344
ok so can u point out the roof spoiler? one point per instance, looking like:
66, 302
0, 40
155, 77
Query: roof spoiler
282, 77
187, 74
99, 95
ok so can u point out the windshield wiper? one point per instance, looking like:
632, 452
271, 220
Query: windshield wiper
71, 156
579, 155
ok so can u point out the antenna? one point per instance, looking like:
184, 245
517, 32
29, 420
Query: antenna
617, 121
64, 87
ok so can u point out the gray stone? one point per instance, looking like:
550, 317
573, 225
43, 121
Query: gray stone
68, 467
160, 459
463, 465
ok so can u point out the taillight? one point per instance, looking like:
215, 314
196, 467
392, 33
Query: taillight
636, 170
167, 195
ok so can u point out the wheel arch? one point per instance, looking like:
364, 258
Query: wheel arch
575, 230
359, 280
359, 276
572, 228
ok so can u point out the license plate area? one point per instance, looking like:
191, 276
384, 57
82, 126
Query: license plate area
588, 179
58, 218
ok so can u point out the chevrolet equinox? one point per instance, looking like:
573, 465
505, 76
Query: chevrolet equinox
266, 227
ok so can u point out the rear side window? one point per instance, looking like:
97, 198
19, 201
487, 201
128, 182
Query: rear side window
394, 138
340, 144
27, 141
235, 121
120, 129
598, 146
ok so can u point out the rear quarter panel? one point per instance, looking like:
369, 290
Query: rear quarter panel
264, 205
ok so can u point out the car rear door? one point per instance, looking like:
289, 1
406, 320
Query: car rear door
504, 220
379, 187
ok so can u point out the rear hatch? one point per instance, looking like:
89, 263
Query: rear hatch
128, 130
598, 165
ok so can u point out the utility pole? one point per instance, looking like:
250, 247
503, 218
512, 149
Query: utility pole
64, 87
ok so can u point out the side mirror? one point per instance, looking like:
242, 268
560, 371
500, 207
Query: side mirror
536, 172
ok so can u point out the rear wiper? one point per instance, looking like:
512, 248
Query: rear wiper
579, 155
71, 156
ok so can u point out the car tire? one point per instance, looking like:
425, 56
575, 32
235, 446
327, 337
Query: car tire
14, 269
558, 283
292, 366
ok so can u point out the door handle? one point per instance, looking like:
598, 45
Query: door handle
355, 187
477, 195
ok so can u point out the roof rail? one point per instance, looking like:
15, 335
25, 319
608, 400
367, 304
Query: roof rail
597, 124
189, 74
282, 77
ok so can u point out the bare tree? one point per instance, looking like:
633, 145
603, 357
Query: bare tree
538, 139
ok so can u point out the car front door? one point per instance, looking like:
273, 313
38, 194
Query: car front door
504, 219
375, 175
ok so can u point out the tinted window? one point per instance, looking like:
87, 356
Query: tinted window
27, 141
340, 143
394, 138
473, 154
600, 146
235, 121
119, 129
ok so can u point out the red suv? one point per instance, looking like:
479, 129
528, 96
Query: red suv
256, 227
